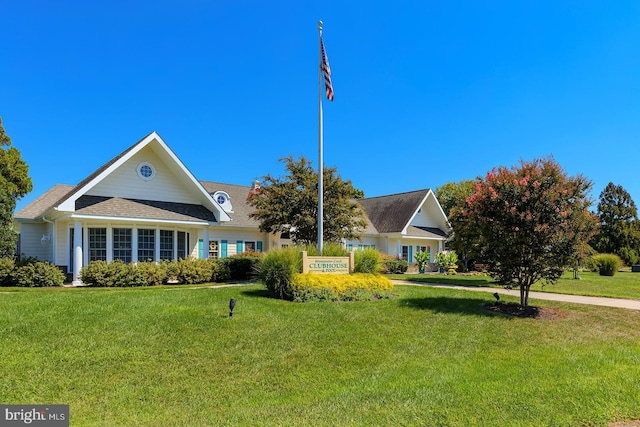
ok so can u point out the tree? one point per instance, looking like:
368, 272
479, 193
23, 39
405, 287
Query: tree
531, 222
619, 227
454, 194
289, 204
463, 239
15, 183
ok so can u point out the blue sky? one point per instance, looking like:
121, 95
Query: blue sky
426, 92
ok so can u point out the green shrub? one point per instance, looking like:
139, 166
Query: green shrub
193, 270
95, 273
328, 249
219, 270
340, 287
608, 264
395, 266
367, 260
243, 266
7, 265
276, 271
447, 261
114, 274
333, 249
154, 274
37, 274
172, 270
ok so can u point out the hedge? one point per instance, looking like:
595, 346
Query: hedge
340, 287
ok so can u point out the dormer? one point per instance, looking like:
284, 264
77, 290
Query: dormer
223, 199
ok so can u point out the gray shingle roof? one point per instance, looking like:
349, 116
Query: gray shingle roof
45, 202
135, 208
238, 195
390, 214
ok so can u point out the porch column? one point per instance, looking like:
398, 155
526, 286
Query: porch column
134, 244
205, 254
77, 252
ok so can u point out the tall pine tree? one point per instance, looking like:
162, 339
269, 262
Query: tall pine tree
619, 227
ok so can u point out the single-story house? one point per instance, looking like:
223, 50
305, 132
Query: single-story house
145, 204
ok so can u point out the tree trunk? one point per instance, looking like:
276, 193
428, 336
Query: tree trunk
522, 300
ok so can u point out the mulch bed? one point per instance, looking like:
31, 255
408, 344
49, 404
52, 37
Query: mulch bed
530, 312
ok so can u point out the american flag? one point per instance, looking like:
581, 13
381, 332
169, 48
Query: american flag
326, 70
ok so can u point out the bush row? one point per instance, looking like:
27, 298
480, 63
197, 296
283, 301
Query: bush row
183, 271
29, 273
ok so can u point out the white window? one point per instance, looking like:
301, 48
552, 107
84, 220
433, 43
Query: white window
214, 249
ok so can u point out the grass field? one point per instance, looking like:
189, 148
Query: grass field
623, 285
172, 356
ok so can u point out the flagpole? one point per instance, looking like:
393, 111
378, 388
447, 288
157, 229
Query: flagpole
320, 142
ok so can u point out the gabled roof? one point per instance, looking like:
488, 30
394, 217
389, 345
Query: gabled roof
44, 203
65, 198
392, 213
238, 195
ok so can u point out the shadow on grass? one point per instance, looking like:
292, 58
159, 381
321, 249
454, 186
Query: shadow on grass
453, 281
466, 306
256, 293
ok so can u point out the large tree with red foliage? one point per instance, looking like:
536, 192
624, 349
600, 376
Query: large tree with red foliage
531, 220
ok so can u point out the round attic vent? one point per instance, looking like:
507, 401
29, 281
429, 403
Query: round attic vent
146, 171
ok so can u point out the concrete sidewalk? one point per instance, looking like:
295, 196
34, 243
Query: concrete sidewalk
631, 304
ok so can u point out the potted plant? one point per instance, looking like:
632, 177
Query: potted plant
446, 261
422, 259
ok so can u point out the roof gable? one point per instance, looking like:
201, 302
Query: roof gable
395, 213
151, 145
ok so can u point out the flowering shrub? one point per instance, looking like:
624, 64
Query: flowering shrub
340, 287
530, 221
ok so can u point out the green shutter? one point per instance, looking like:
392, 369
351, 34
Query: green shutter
350, 247
223, 249
200, 249
239, 247
410, 254
259, 246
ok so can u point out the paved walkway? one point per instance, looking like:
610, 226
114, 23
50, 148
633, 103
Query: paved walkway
631, 304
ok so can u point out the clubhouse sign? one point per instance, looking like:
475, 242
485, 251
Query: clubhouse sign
327, 264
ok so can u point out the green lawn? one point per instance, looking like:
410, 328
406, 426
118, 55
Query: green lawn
623, 285
172, 356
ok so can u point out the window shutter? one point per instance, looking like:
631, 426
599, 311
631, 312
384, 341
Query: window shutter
350, 247
223, 249
410, 254
200, 249
259, 246
239, 247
